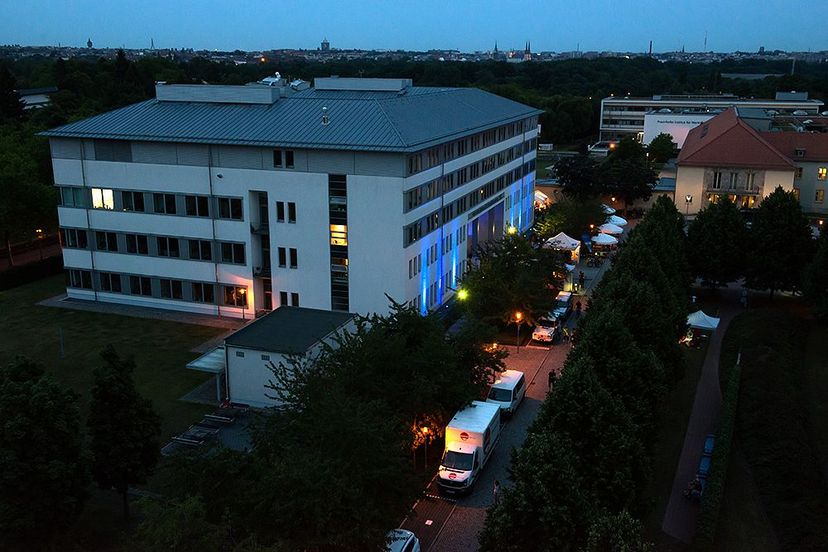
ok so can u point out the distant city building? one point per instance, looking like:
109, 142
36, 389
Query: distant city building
89, 43
736, 154
624, 115
527, 52
234, 200
326, 46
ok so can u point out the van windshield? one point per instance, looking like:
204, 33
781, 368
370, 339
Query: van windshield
502, 395
457, 460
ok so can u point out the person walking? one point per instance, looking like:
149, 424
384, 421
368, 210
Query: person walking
581, 280
550, 379
577, 309
496, 492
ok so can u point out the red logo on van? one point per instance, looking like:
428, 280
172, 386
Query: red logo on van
452, 476
464, 436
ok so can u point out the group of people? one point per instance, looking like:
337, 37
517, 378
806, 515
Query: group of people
694, 489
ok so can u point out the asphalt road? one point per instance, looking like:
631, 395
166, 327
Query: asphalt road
445, 525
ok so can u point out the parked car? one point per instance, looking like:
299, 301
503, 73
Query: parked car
546, 330
508, 391
400, 540
563, 305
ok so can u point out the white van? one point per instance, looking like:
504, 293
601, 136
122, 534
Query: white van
508, 391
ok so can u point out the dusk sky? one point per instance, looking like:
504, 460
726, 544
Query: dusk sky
622, 25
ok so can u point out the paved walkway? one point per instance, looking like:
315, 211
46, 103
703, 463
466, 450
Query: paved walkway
680, 515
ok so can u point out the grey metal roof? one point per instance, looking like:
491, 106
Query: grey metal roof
358, 120
288, 330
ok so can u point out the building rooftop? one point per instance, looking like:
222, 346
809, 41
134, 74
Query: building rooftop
792, 98
360, 117
288, 330
728, 141
799, 146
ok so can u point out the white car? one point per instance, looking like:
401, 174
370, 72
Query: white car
400, 540
546, 330
563, 305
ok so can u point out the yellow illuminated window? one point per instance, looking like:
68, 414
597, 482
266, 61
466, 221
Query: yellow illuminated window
822, 173
819, 196
339, 234
102, 198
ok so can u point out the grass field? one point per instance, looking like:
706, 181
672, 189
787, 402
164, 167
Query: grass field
669, 442
161, 350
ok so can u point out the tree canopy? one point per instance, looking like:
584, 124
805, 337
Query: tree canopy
661, 148
717, 243
815, 280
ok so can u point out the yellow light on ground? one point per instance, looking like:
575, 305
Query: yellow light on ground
462, 294
512, 230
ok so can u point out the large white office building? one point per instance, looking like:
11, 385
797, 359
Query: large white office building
230, 200
623, 116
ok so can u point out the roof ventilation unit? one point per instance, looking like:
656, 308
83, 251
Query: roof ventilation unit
325, 119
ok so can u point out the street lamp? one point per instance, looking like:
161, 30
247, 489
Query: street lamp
518, 320
243, 293
512, 230
462, 294
40, 235
688, 199
424, 429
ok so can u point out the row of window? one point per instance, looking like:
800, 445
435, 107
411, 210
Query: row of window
160, 288
153, 202
423, 160
430, 298
749, 181
156, 246
424, 193
430, 222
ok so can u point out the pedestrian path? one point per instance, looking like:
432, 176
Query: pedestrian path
680, 516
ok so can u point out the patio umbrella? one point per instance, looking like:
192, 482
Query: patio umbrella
607, 209
616, 220
610, 229
604, 239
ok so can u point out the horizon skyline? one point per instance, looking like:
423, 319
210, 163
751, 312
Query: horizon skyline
371, 25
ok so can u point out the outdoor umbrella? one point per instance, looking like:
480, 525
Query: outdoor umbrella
607, 209
604, 239
610, 229
616, 220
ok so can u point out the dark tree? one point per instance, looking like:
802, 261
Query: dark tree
781, 243
815, 280
628, 179
571, 216
11, 106
578, 175
180, 525
123, 428
43, 462
716, 243
661, 148
616, 533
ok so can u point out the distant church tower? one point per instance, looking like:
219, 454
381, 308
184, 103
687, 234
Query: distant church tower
326, 46
527, 53
89, 43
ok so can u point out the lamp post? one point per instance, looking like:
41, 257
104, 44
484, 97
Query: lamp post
40, 235
518, 320
688, 199
424, 429
243, 293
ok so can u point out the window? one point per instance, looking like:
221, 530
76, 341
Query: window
110, 282
201, 250
197, 206
750, 182
136, 243
74, 238
294, 258
798, 173
79, 278
280, 211
265, 357
140, 285
133, 201
819, 197
103, 198
203, 293
172, 289
339, 234
240, 354
282, 257
822, 173
167, 247
289, 159
164, 203
294, 299
72, 197
734, 177
106, 241
277, 158
283, 299
232, 253
230, 208
291, 212
717, 180
235, 296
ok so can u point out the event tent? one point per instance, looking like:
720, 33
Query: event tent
701, 321
604, 239
616, 220
541, 197
562, 242
608, 228
607, 209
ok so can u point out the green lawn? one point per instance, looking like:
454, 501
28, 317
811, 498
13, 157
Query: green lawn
670, 440
161, 350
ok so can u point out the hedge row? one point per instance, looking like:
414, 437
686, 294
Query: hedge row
18, 275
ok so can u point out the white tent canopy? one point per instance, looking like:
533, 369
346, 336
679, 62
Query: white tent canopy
541, 197
616, 220
608, 228
607, 209
562, 241
604, 239
701, 321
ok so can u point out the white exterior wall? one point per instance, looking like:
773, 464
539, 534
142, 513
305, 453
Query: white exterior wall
248, 376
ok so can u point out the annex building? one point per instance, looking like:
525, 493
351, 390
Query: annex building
230, 200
